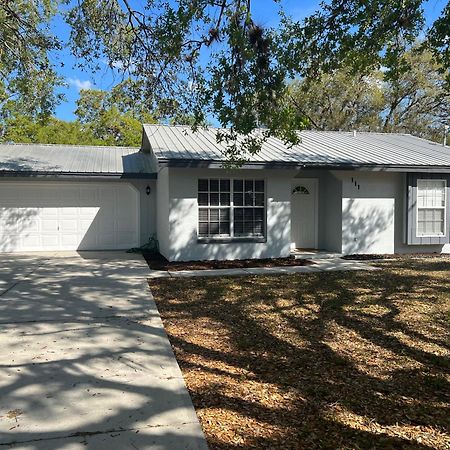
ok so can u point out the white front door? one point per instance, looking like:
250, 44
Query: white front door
304, 213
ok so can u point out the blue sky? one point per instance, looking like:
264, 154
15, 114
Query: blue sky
265, 12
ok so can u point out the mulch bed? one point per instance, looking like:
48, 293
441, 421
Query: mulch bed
338, 360
156, 261
374, 257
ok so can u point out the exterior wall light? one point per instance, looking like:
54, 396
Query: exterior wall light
148, 190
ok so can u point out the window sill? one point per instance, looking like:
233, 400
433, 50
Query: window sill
233, 240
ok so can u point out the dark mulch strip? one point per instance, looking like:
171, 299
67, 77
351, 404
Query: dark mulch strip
158, 262
370, 257
337, 360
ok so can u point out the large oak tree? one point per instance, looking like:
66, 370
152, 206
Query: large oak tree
416, 101
211, 57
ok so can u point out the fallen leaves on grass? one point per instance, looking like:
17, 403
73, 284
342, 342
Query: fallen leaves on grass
326, 360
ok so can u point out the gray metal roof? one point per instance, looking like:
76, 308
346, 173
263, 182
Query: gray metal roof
317, 148
53, 159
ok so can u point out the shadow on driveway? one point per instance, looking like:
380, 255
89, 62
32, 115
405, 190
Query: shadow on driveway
85, 362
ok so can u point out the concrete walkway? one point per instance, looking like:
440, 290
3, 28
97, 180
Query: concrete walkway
85, 362
320, 265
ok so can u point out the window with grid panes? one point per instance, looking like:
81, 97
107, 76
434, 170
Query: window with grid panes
231, 208
431, 207
214, 208
248, 208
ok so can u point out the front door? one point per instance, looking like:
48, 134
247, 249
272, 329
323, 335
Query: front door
304, 213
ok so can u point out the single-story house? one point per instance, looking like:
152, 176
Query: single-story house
337, 191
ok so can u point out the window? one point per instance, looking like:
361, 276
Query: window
300, 190
231, 208
248, 208
431, 207
214, 208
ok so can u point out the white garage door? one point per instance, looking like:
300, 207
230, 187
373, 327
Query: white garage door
68, 216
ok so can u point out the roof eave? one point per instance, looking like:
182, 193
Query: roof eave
218, 164
76, 175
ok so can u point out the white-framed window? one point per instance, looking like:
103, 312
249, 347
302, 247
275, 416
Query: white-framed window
231, 208
431, 208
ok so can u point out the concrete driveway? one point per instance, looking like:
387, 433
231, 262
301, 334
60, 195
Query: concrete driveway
84, 359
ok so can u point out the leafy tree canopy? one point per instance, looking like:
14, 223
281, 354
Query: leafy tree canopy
211, 57
25, 129
27, 77
416, 101
102, 118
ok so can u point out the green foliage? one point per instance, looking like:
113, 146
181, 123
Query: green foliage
439, 42
113, 117
357, 34
209, 58
27, 78
112, 128
103, 118
51, 131
415, 101
340, 100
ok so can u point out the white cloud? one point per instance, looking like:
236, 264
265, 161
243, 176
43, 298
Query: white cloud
80, 84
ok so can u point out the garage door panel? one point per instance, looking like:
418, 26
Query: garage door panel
49, 225
69, 225
69, 240
85, 224
68, 216
88, 241
50, 241
31, 240
33, 225
69, 211
125, 226
125, 213
124, 239
48, 212
7, 218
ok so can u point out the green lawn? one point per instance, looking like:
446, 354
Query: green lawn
342, 360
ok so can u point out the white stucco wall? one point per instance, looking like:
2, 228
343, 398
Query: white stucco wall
373, 214
147, 208
183, 217
359, 212
368, 212
162, 211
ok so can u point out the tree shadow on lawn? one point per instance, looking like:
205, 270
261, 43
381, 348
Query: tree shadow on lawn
361, 357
